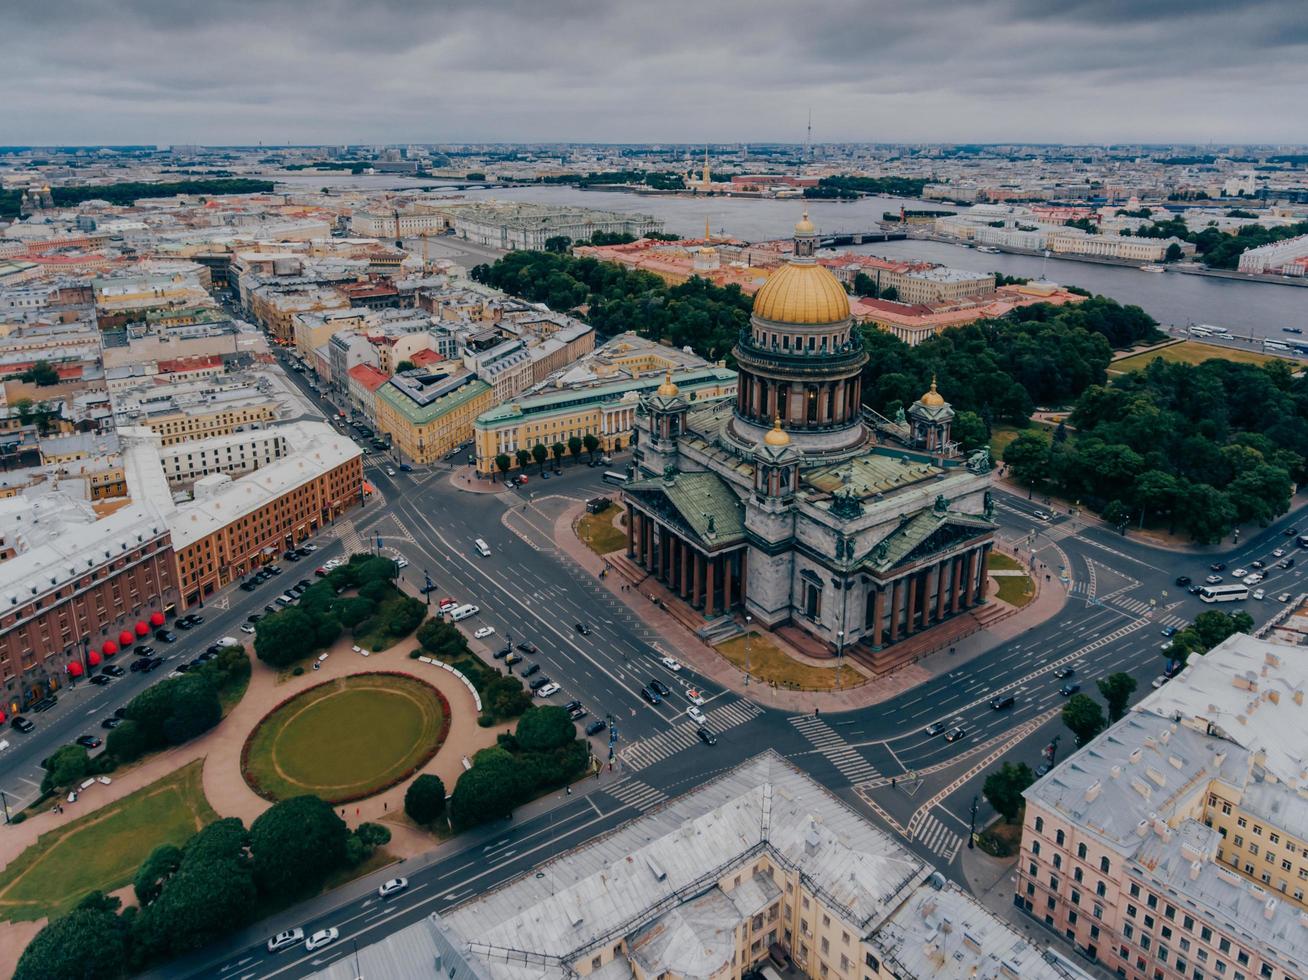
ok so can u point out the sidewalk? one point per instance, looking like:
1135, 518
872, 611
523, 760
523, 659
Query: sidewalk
708, 663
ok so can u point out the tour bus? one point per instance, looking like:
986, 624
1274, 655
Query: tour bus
614, 477
1219, 331
1224, 593
1200, 332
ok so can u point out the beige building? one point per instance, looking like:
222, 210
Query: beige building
1074, 241
311, 330
759, 861
275, 309
1175, 845
429, 415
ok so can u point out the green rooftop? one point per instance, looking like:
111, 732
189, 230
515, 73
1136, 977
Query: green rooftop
417, 414
545, 404
703, 501
870, 474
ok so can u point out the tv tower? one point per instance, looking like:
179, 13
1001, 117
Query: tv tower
808, 138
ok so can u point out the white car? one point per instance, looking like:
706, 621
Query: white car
696, 715
1283, 597
401, 562
484, 632
693, 696
1278, 552
447, 604
1253, 579
1160, 680
247, 628
390, 471
321, 938
1259, 594
671, 663
1240, 572
548, 690
392, 887
310, 547
1040, 515
282, 940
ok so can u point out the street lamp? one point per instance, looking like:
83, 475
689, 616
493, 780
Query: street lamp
748, 620
426, 586
972, 829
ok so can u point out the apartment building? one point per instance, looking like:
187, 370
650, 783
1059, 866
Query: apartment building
1175, 845
197, 409
1287, 258
760, 862
429, 413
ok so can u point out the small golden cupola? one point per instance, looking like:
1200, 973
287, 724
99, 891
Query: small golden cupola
777, 436
669, 388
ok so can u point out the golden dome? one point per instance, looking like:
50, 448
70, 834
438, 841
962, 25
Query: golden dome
805, 227
668, 389
802, 292
776, 435
933, 398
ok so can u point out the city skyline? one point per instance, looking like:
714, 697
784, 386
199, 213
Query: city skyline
1071, 71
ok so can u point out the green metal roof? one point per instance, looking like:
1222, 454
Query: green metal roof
870, 474
705, 504
554, 401
422, 414
915, 532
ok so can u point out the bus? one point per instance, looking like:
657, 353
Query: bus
1302, 541
614, 477
1224, 593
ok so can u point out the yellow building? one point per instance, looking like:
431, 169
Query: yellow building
202, 422
605, 410
428, 417
311, 330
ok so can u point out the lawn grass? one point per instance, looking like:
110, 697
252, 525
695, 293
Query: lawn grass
1190, 352
1002, 435
1004, 563
346, 739
770, 664
1016, 590
103, 849
598, 532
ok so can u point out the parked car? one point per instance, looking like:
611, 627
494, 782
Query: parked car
165, 636
1159, 681
547, 690
100, 680
484, 632
503, 652
538, 683
111, 723
21, 724
530, 669
392, 887
89, 741
596, 726
513, 658
284, 940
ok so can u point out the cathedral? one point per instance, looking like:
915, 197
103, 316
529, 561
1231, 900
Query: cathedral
795, 505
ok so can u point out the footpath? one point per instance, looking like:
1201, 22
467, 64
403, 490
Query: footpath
686, 646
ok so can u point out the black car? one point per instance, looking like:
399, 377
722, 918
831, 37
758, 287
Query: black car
572, 704
1064, 672
89, 741
1183, 580
139, 665
1067, 690
291, 556
111, 723
1194, 589
254, 617
100, 680
538, 683
165, 636
273, 570
155, 663
113, 670
513, 658
583, 629
1290, 532
46, 703
650, 695
503, 652
120, 711
184, 624
142, 650
706, 736
248, 585
303, 552
22, 724
1217, 566
530, 669
1258, 563
183, 668
659, 686
596, 726
1002, 702
1285, 563
528, 647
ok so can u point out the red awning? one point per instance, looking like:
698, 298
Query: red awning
3, 717
156, 619
142, 629
74, 669
109, 648
125, 639
93, 658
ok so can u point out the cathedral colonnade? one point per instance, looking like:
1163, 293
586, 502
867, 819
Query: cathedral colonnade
713, 583
926, 595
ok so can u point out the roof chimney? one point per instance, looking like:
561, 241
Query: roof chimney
1195, 868
1092, 791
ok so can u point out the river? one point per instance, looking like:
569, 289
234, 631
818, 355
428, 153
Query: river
1256, 308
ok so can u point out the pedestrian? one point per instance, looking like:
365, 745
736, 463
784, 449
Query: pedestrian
892, 782
569, 790
385, 806
342, 813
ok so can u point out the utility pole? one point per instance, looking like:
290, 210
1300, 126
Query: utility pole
971, 836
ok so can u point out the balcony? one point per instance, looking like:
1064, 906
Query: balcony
818, 363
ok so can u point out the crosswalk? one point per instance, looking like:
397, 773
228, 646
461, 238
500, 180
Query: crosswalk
937, 838
835, 749
633, 793
656, 748
349, 536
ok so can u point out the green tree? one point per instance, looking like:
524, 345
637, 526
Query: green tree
1116, 513
424, 800
355, 610
1084, 717
67, 766
503, 463
403, 366
41, 374
89, 943
1173, 253
539, 453
1116, 690
285, 637
366, 838
890, 294
1028, 457
296, 843
557, 451
489, 790
523, 457
970, 431
558, 244
591, 443
574, 447
865, 285
1003, 788
175, 710
127, 742
155, 871
545, 728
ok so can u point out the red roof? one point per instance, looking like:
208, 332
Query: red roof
425, 357
200, 362
370, 377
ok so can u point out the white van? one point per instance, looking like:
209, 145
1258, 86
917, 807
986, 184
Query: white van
483, 548
463, 612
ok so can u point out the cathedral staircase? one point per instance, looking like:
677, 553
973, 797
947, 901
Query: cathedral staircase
720, 630
947, 634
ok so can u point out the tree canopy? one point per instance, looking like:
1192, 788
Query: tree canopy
89, 943
1084, 717
296, 843
1003, 788
424, 800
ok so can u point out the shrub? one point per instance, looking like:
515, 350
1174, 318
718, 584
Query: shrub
127, 742
424, 800
298, 672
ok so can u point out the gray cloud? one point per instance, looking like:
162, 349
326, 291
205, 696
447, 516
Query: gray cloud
240, 71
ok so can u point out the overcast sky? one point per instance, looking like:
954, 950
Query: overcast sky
337, 71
